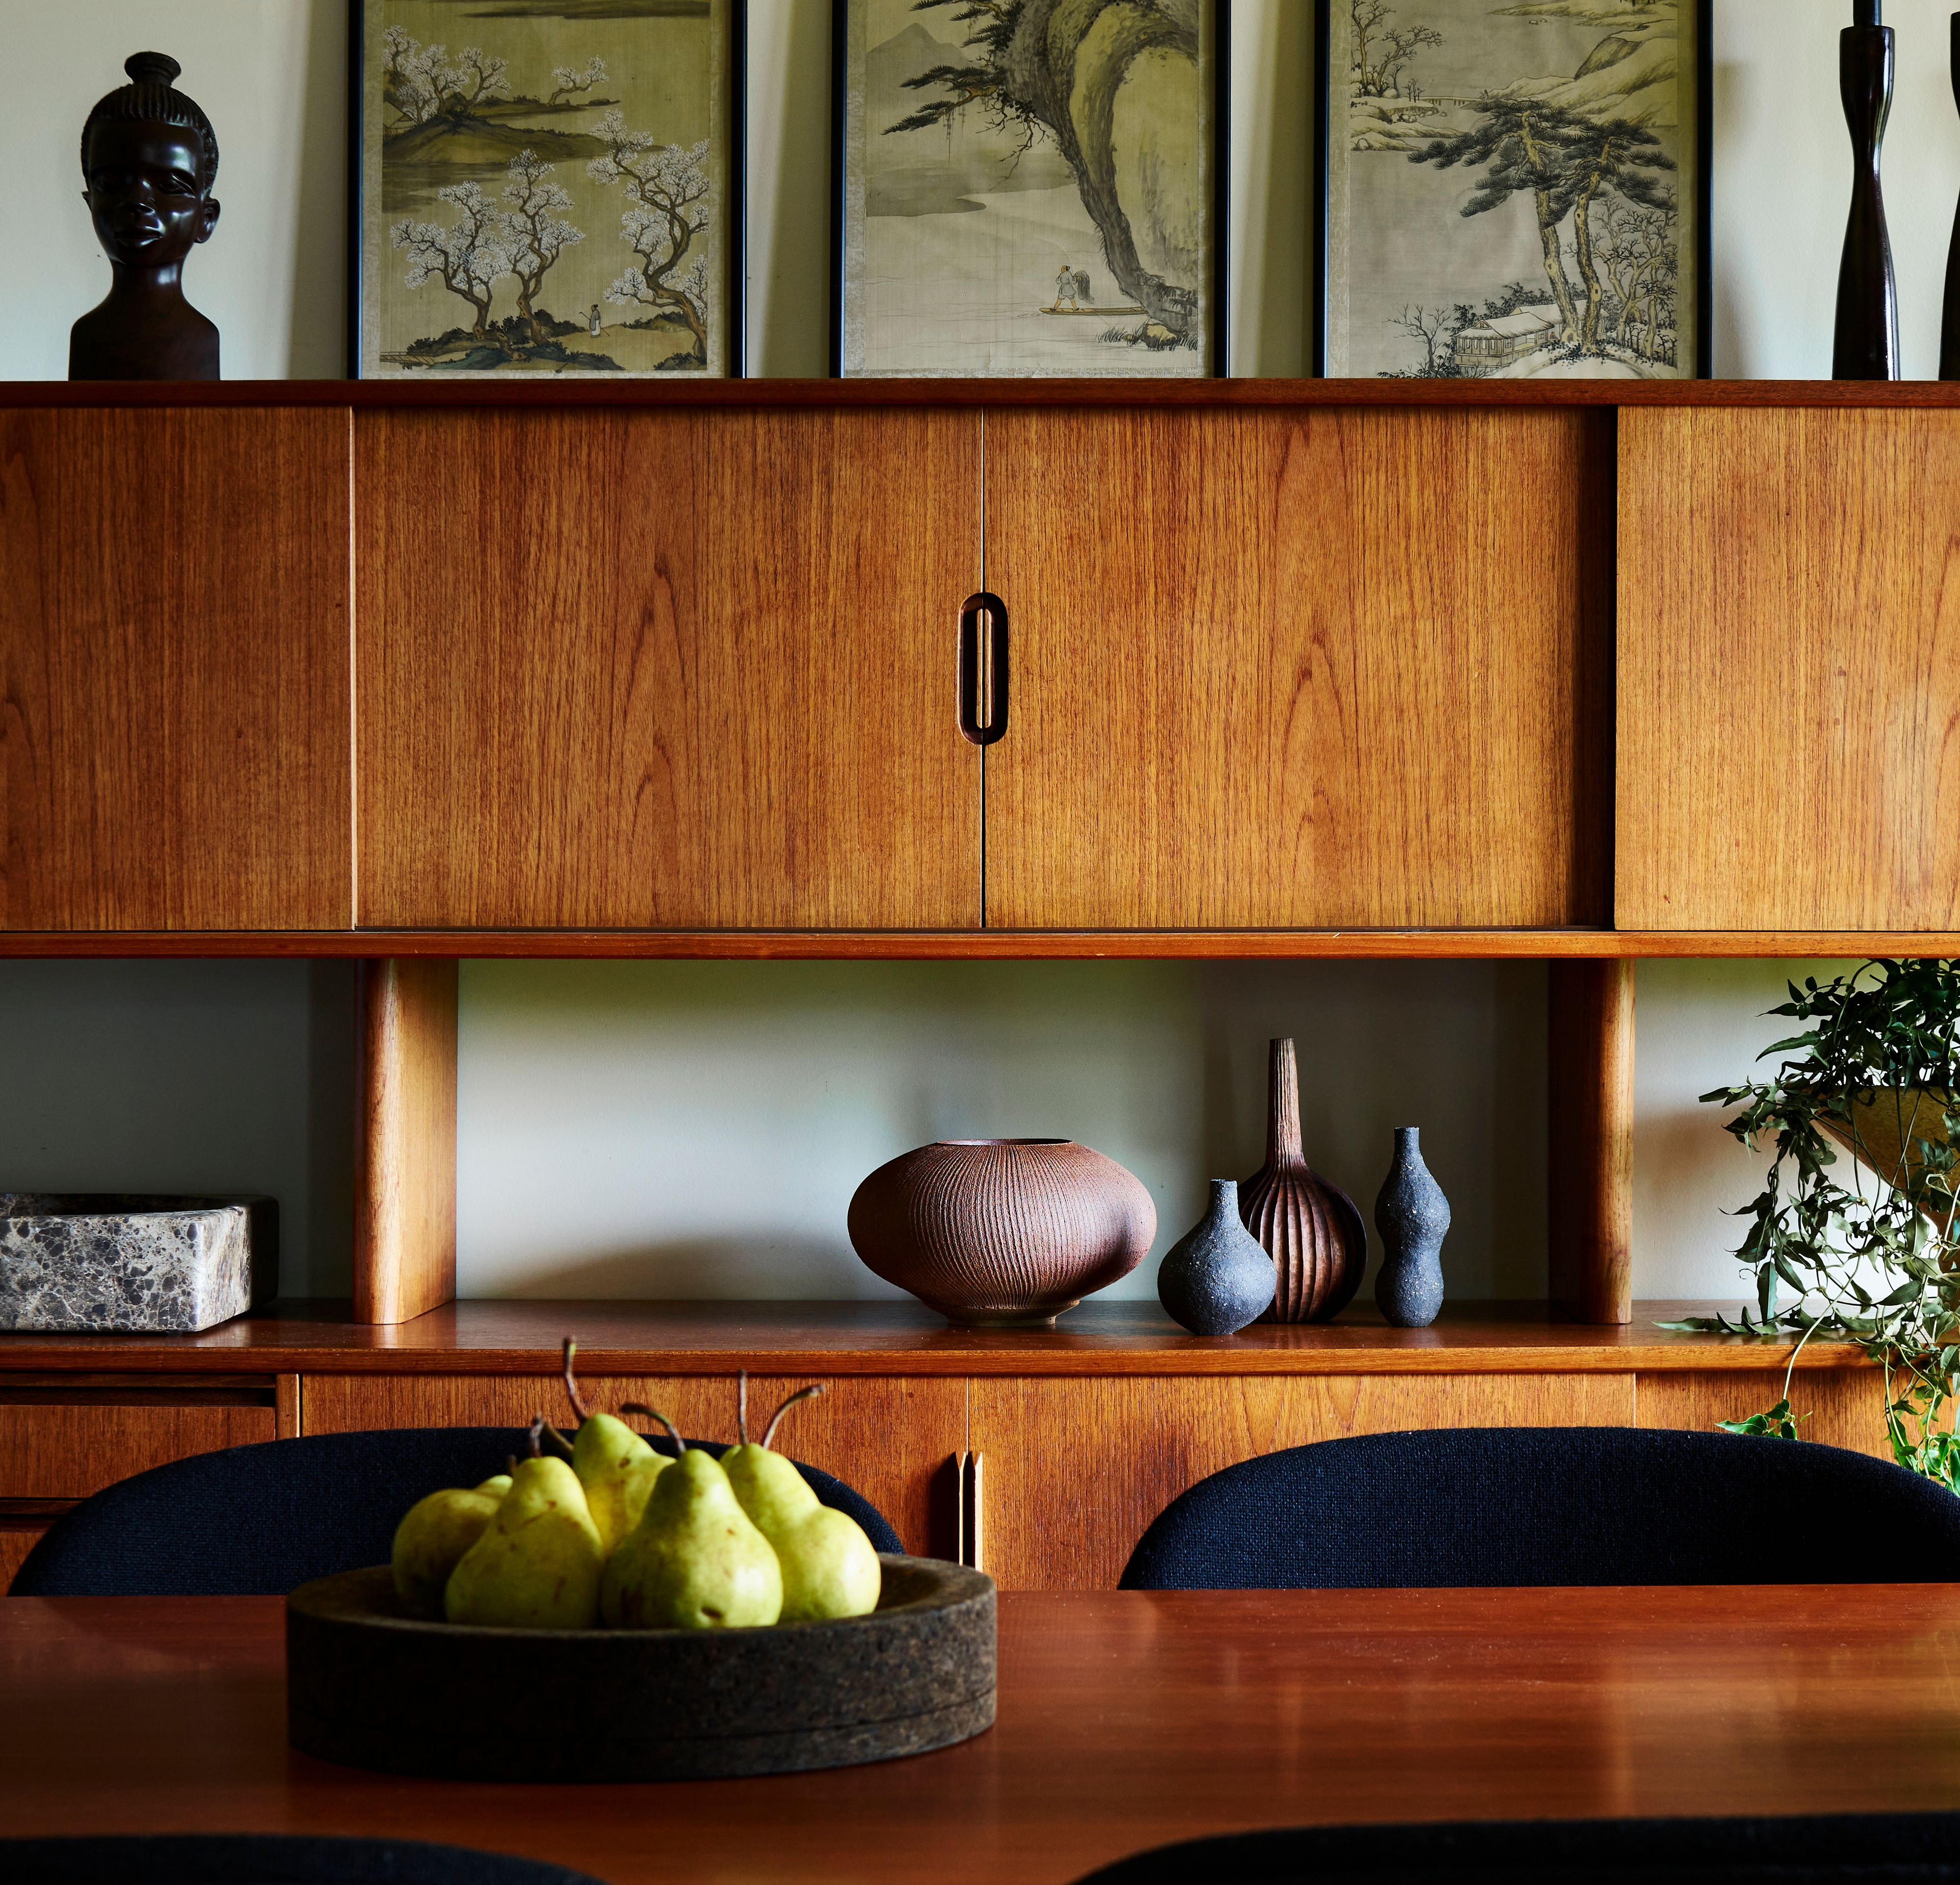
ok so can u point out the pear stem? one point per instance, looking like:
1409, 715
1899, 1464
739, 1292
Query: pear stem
578, 1406
809, 1393
742, 1405
551, 1433
537, 1436
654, 1413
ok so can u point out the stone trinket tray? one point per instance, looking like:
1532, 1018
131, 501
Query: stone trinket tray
111, 1264
370, 1686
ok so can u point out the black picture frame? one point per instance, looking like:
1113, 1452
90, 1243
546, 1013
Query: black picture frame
737, 290
1219, 366
1704, 141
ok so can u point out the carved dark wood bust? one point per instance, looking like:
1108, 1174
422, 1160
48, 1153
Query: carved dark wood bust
149, 159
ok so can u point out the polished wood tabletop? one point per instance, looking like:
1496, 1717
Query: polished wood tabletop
1126, 1720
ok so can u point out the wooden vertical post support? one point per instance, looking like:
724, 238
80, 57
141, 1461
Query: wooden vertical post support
405, 1202
1592, 1130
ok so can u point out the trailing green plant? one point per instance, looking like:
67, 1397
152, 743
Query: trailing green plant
1868, 1256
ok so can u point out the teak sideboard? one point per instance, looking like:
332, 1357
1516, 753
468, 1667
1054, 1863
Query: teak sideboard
411, 671
1040, 1457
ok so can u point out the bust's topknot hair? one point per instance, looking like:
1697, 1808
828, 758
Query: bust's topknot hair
149, 98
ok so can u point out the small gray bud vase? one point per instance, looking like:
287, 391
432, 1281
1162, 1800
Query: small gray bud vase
1413, 1216
1216, 1279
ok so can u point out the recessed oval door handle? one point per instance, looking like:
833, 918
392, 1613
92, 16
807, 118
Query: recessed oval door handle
983, 668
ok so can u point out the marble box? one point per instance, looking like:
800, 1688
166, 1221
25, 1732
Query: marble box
108, 1264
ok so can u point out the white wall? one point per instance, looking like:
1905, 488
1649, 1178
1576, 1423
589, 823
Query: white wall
194, 1076
696, 1129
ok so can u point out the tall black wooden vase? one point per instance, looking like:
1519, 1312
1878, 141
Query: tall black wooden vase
1867, 345
1949, 324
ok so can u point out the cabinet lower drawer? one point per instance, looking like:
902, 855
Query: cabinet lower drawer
66, 1442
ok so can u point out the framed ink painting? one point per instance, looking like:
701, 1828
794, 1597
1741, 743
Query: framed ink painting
1029, 187
1513, 189
546, 186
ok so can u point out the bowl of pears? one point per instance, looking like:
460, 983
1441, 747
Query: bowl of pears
608, 1610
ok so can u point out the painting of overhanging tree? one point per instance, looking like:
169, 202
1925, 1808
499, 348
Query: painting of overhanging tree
1512, 190
544, 187
1028, 186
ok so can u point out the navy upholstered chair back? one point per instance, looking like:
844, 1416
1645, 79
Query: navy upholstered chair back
263, 1520
1554, 1505
264, 1858
1836, 1849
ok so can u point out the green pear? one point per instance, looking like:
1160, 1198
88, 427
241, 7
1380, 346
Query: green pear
617, 1469
432, 1538
538, 1563
614, 1464
829, 1567
694, 1562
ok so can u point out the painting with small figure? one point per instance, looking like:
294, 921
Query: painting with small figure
545, 187
1027, 187
1516, 189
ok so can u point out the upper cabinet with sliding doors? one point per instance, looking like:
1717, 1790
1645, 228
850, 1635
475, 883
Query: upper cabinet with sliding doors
1306, 668
174, 669
1789, 669
662, 669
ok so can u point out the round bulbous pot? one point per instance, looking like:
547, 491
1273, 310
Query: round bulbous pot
1217, 1278
1002, 1233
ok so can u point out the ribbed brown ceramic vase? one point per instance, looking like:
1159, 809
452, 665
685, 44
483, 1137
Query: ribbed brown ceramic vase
1002, 1233
1310, 1228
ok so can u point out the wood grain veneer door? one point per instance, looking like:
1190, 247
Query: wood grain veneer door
66, 1444
664, 669
1077, 1469
887, 1437
174, 665
1841, 1407
1788, 670
1300, 669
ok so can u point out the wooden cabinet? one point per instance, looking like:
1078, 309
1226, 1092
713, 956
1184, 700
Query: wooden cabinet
1788, 670
56, 1445
666, 669
1838, 1407
888, 1436
63, 1437
174, 665
1288, 668
1075, 1470
1084, 1433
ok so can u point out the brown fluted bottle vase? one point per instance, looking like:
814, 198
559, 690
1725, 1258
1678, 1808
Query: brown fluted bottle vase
1310, 1228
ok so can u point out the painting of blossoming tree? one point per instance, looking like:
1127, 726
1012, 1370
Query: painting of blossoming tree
544, 187
1514, 189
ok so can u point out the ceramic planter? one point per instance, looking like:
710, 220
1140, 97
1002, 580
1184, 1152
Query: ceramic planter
1002, 1233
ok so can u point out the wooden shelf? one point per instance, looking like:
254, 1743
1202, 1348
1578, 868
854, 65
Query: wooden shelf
998, 945
1193, 394
995, 945
906, 1339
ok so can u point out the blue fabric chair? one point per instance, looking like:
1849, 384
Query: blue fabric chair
1554, 1505
252, 1859
263, 1520
1908, 1848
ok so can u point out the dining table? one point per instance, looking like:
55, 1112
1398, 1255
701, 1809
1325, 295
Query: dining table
1126, 1720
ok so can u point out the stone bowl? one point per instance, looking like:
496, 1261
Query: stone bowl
369, 1687
111, 1263
1002, 1233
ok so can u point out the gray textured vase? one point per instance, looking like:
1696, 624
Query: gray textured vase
1413, 1217
1217, 1278
119, 1265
